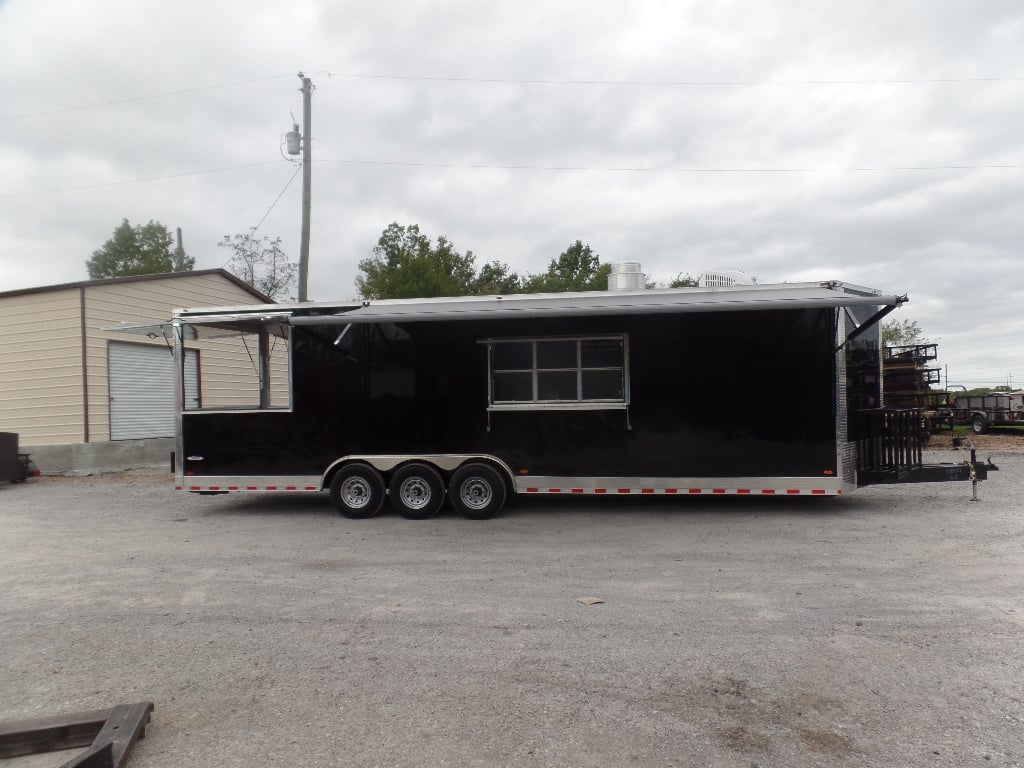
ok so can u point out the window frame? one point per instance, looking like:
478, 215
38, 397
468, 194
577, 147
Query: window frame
230, 328
580, 403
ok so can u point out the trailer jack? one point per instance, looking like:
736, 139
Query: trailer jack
957, 443
109, 735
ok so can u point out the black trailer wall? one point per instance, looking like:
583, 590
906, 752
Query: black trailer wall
729, 394
863, 372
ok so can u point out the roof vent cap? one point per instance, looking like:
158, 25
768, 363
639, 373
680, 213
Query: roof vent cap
724, 278
626, 276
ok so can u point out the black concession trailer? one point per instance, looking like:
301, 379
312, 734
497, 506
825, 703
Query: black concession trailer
743, 390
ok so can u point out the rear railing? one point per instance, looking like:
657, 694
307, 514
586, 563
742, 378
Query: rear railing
891, 443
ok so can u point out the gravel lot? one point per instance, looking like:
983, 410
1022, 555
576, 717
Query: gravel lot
879, 629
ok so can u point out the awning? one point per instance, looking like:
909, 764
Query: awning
149, 330
745, 298
214, 325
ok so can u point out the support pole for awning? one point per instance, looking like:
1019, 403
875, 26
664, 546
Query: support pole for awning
264, 367
871, 321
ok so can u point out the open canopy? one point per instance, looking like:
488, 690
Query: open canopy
740, 298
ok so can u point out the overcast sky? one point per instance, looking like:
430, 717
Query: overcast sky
876, 142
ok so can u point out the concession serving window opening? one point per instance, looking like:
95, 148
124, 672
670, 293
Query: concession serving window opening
558, 373
245, 364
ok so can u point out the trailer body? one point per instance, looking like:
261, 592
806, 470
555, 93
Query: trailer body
597, 393
998, 409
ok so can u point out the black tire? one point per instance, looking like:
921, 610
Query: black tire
416, 491
477, 491
978, 425
357, 491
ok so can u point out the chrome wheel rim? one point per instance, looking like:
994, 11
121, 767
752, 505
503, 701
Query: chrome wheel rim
476, 493
414, 493
356, 493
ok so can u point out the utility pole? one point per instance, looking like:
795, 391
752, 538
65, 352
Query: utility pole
307, 182
179, 255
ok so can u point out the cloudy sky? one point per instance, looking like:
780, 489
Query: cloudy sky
876, 142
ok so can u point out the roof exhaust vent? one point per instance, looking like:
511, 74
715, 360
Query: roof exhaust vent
626, 276
724, 278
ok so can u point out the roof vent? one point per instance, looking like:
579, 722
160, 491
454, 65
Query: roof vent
626, 276
724, 278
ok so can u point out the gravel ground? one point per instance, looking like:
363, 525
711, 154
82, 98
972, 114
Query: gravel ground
878, 629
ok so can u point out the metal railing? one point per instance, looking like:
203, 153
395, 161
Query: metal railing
891, 442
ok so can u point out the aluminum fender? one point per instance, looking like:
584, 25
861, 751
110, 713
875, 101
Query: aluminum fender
448, 462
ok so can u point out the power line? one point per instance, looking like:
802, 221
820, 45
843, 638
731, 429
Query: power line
276, 199
523, 81
638, 169
521, 167
669, 83
133, 99
143, 180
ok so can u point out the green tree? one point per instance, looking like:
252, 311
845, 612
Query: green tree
261, 263
139, 250
498, 279
578, 268
899, 333
405, 265
683, 281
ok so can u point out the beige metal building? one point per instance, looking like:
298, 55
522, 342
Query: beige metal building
64, 380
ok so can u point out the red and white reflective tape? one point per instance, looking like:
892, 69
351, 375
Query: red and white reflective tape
688, 491
791, 486
223, 484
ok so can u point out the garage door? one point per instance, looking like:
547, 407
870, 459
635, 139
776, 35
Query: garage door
142, 389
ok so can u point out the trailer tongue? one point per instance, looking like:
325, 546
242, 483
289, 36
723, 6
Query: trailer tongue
894, 448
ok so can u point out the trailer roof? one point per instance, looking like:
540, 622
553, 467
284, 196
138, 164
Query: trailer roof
736, 298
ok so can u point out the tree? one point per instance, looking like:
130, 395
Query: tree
404, 265
261, 264
578, 268
899, 333
498, 279
683, 281
139, 250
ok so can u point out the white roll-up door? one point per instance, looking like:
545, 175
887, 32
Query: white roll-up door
142, 389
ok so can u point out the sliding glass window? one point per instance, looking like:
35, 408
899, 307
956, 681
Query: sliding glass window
558, 372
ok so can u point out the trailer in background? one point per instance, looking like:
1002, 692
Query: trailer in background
910, 380
478, 399
996, 409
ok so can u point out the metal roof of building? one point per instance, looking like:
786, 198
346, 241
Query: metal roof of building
125, 279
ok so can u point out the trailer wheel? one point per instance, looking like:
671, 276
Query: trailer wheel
477, 491
357, 491
978, 425
416, 491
